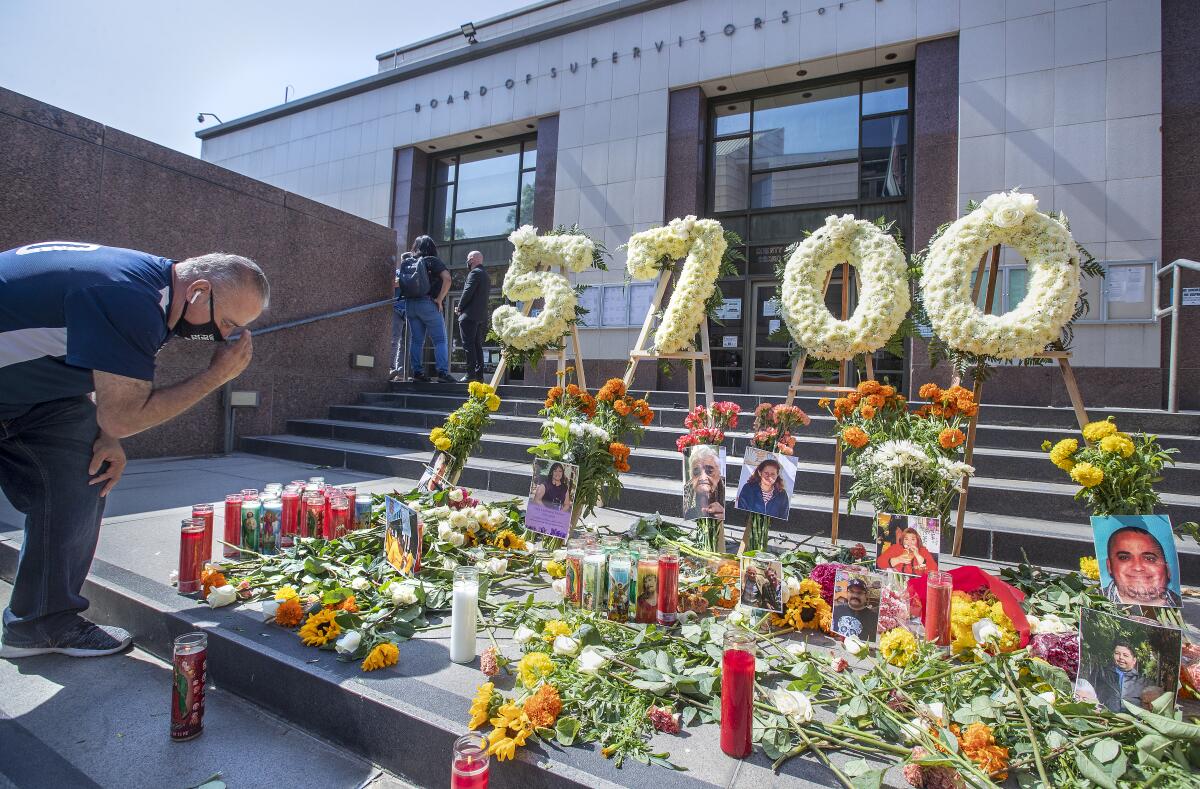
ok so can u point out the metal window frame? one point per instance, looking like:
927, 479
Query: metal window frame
523, 144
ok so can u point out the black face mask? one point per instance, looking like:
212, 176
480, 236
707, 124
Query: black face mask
200, 331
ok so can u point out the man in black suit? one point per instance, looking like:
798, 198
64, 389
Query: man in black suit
473, 315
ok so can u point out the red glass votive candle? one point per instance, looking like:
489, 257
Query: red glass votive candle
233, 526
191, 555
338, 524
189, 666
737, 694
205, 513
469, 768
939, 587
312, 514
290, 523
668, 586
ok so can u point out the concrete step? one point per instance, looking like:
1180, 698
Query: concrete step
1006, 520
811, 447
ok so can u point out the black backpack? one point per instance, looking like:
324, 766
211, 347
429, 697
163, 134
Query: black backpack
414, 277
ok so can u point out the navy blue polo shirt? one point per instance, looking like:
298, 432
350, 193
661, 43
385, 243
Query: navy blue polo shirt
68, 308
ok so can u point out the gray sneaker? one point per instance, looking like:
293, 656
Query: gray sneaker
83, 639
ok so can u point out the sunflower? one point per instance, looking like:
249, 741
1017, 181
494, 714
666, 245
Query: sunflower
898, 646
513, 727
383, 655
508, 540
806, 610
544, 706
481, 705
320, 628
289, 613
532, 667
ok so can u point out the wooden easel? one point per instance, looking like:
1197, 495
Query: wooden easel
526, 308
840, 388
704, 355
1064, 364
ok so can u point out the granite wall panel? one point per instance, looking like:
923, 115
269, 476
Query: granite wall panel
67, 177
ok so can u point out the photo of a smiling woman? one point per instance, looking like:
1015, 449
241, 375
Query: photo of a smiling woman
704, 483
767, 490
554, 489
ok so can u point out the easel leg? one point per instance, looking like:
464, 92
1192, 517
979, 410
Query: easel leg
837, 491
692, 384
968, 456
1073, 391
707, 349
580, 374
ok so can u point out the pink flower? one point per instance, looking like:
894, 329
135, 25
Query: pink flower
858, 552
824, 574
929, 777
487, 662
893, 610
664, 719
840, 665
1057, 649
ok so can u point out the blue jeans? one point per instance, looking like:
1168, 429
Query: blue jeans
44, 458
424, 317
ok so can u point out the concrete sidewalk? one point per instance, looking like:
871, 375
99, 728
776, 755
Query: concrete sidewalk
103, 722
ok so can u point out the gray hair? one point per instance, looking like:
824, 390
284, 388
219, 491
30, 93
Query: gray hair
232, 271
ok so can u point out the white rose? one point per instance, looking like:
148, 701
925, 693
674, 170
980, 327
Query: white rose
591, 661
1048, 696
496, 517
797, 648
416, 506
794, 704
559, 585
456, 539
737, 617
222, 595
985, 631
348, 643
458, 519
913, 731
455, 495
936, 711
403, 595
359, 583
559, 555
854, 647
566, 646
523, 634
269, 607
480, 513
444, 531
497, 565
449, 564
1050, 623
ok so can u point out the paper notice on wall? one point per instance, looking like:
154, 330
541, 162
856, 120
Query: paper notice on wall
773, 327
1126, 284
769, 309
1190, 297
730, 309
640, 297
729, 341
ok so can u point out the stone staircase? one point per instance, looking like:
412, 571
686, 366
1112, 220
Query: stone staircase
1019, 504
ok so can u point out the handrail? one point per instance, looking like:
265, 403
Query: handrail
1174, 268
324, 316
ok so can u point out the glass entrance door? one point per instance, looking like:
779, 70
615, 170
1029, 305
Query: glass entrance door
772, 366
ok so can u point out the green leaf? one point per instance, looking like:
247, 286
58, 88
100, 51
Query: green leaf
1106, 750
566, 730
1093, 772
1177, 730
664, 663
588, 634
688, 715
862, 775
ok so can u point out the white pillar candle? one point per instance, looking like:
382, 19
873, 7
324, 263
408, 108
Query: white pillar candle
463, 612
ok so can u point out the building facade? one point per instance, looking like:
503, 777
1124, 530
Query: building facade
768, 115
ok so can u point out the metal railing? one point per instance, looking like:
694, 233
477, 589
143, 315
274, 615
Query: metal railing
1175, 269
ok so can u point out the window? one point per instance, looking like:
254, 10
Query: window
483, 193
616, 306
1125, 295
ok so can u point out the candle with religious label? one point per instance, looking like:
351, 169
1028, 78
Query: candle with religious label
647, 586
618, 586
737, 693
362, 511
668, 586
191, 555
289, 516
233, 526
251, 519
637, 549
939, 586
464, 608
574, 570
188, 668
469, 770
594, 572
608, 544
205, 513
270, 532
339, 517
312, 516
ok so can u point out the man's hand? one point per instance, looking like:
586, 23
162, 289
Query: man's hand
230, 359
438, 302
107, 449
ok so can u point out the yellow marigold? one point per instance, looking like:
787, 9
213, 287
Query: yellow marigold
532, 667
320, 628
289, 613
480, 389
544, 706
1010, 639
508, 540
1117, 445
1062, 452
1094, 431
382, 656
285, 593
481, 705
555, 628
1046, 445
1087, 475
492, 402
555, 569
898, 646
965, 612
1089, 568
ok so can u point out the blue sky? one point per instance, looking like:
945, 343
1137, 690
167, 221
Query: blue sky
148, 66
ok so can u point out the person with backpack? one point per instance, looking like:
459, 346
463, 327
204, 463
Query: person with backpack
424, 281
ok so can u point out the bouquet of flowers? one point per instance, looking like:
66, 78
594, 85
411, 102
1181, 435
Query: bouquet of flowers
460, 434
904, 462
706, 426
594, 433
773, 426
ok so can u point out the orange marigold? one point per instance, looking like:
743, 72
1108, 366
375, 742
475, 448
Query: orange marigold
554, 393
349, 605
618, 450
289, 613
887, 391
868, 387
622, 407
951, 438
573, 390
612, 389
854, 398
867, 411
842, 406
544, 706
823, 402
621, 466
855, 437
588, 403
876, 401
211, 578
929, 391
979, 744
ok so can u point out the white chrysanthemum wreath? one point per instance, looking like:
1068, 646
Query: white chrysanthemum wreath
1009, 218
703, 242
524, 282
883, 297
